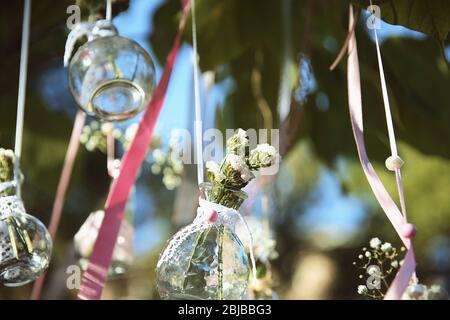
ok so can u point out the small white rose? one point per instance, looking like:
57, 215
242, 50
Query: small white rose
235, 162
212, 166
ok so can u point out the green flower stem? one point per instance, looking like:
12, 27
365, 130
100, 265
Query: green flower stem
15, 228
12, 238
117, 72
23, 234
199, 239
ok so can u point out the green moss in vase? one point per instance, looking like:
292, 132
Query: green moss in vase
7, 170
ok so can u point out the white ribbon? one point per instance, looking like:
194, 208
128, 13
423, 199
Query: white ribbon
108, 14
22, 78
198, 112
225, 216
92, 30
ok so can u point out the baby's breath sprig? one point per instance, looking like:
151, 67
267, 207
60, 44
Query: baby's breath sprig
169, 164
94, 136
378, 263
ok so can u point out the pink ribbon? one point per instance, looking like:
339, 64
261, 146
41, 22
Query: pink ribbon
61, 191
398, 220
95, 276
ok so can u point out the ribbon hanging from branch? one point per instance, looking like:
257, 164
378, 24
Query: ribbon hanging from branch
95, 276
398, 220
198, 111
22, 79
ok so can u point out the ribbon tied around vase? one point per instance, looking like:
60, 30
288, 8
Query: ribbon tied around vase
206, 259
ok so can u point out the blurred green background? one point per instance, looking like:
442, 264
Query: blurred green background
266, 65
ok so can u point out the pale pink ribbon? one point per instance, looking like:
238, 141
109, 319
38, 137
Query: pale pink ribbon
398, 220
95, 276
113, 170
61, 190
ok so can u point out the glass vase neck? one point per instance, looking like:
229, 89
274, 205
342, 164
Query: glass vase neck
228, 197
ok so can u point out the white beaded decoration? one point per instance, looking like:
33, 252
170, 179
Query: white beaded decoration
394, 162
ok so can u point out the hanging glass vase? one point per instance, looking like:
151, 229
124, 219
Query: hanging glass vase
110, 77
206, 260
25, 244
84, 241
122, 257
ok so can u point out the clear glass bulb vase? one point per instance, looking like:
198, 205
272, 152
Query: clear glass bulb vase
112, 78
206, 260
122, 257
25, 244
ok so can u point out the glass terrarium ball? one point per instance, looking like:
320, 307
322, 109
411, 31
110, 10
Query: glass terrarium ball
203, 262
112, 78
25, 248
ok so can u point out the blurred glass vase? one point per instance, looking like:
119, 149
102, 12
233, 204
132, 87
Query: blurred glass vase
206, 260
85, 238
25, 244
111, 77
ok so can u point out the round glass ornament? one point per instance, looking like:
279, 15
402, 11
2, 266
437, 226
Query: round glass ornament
206, 260
111, 77
25, 244
122, 257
